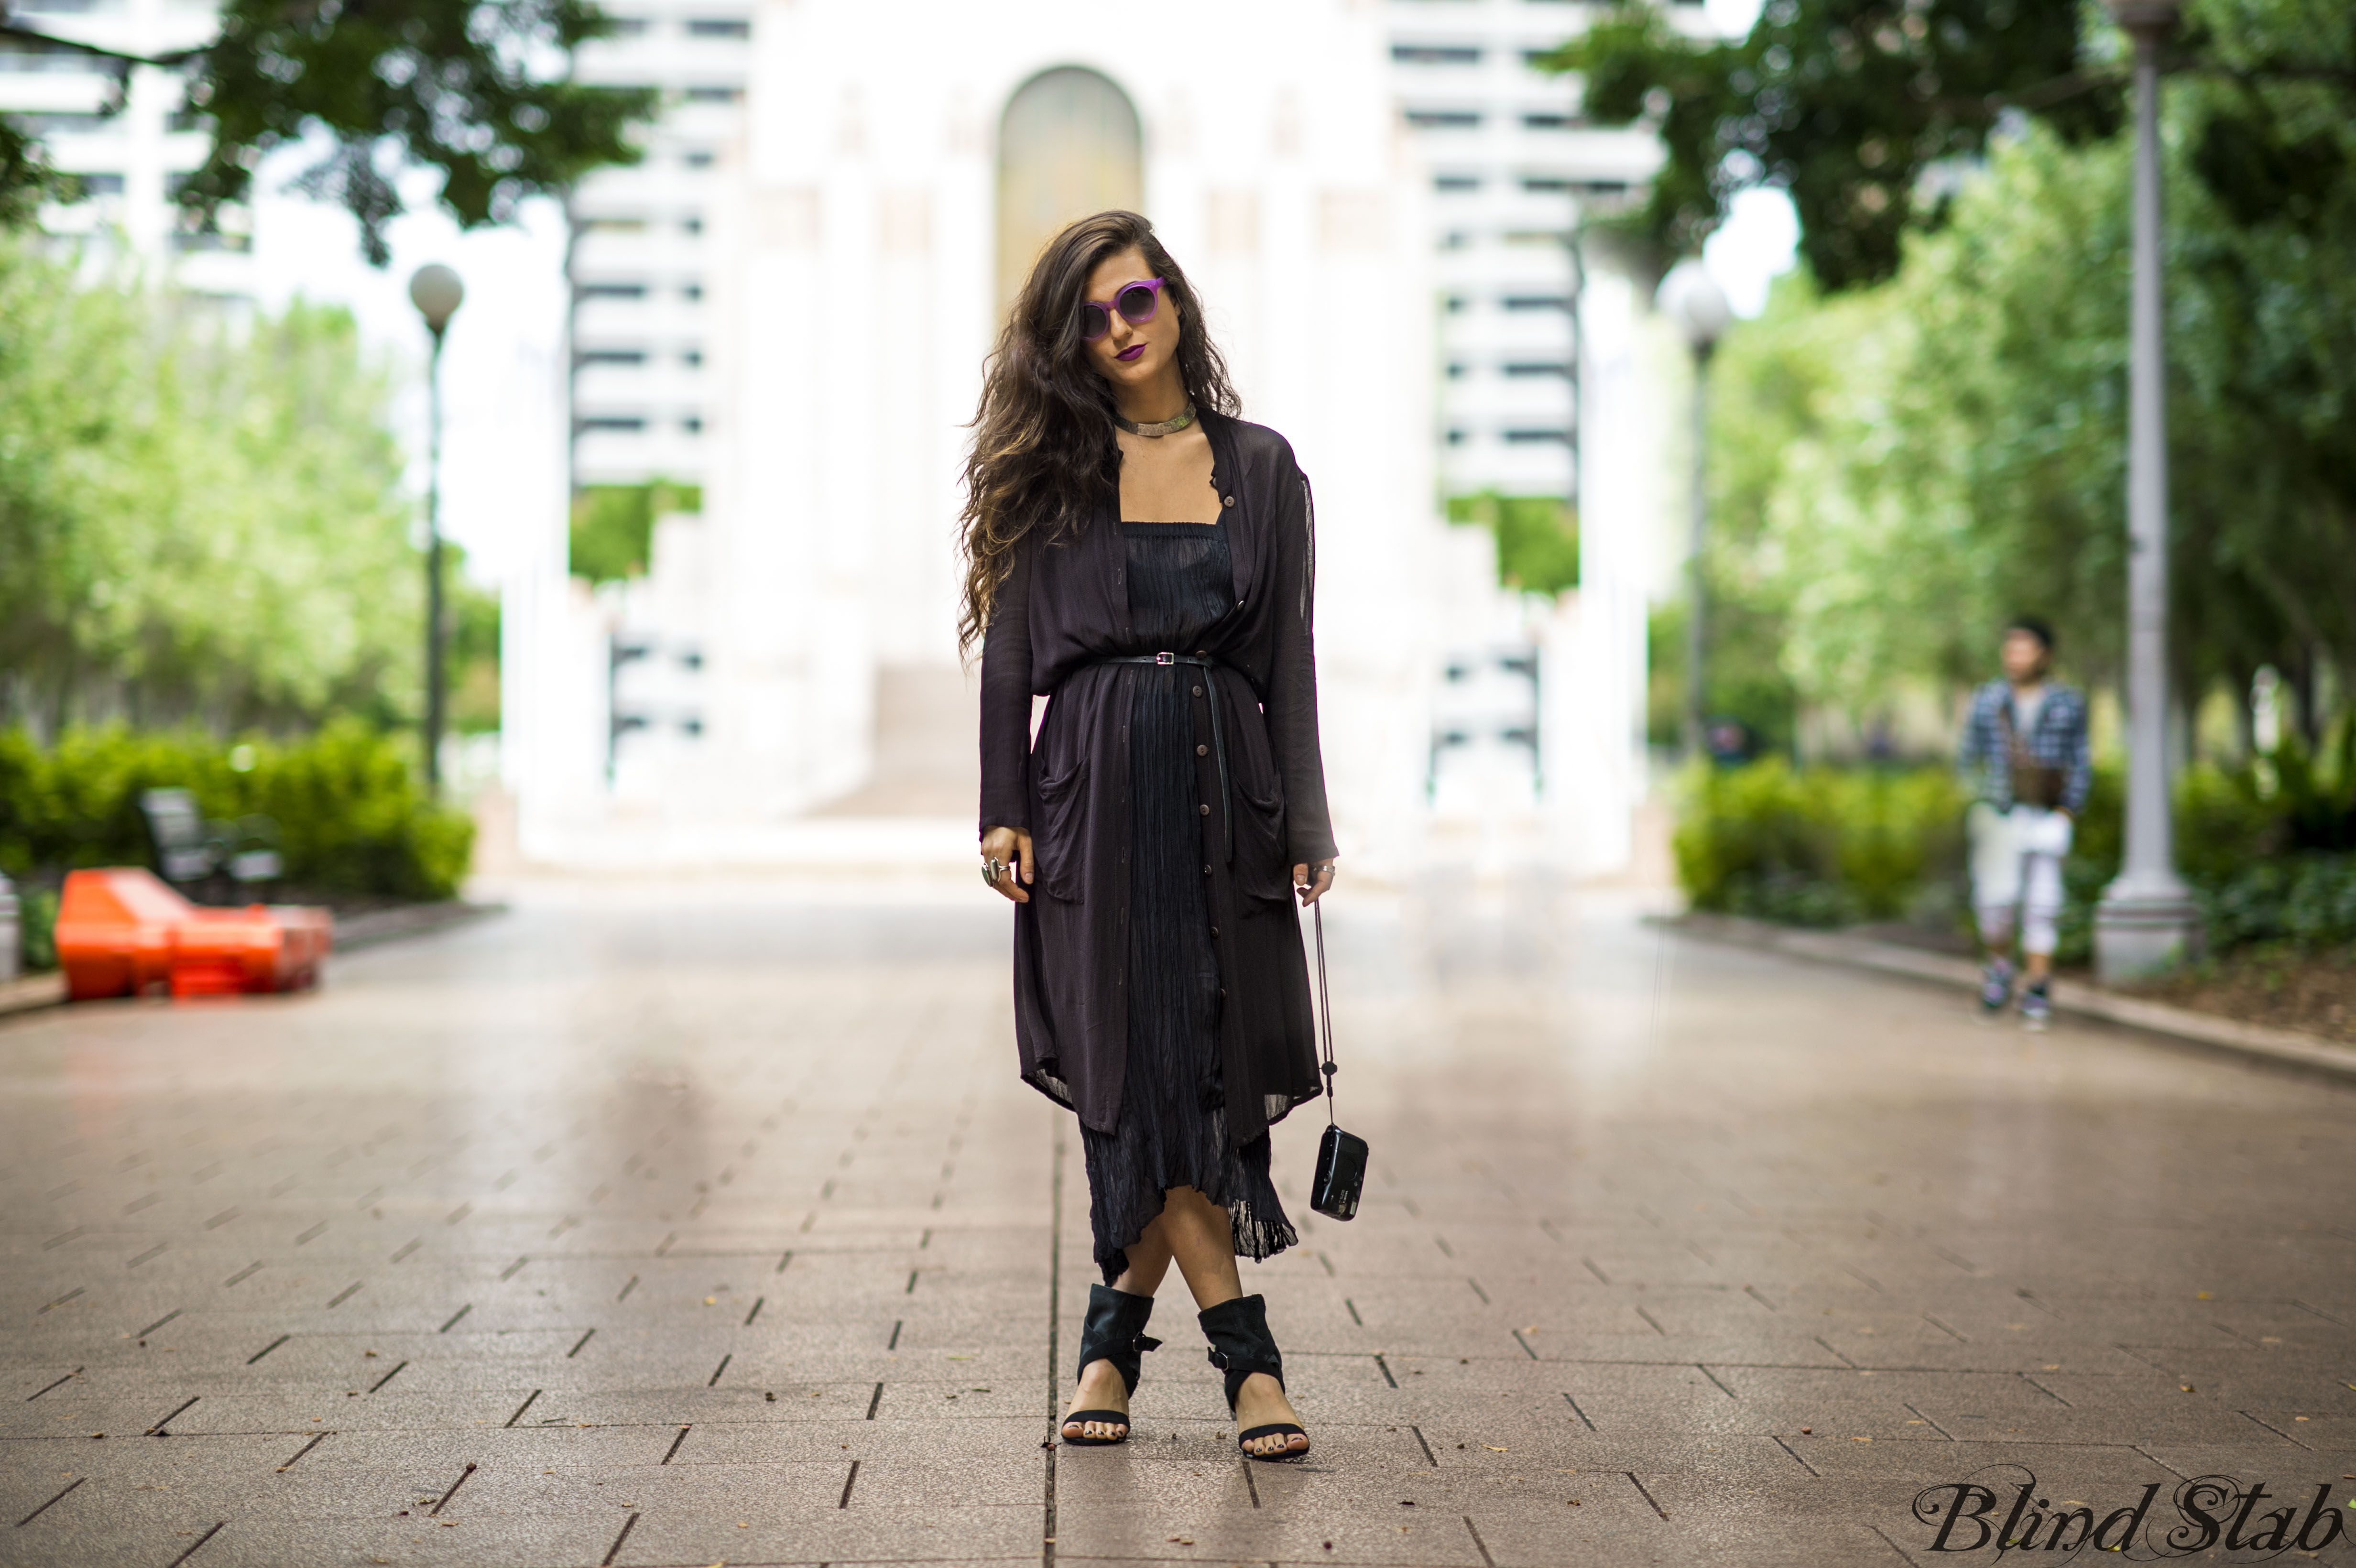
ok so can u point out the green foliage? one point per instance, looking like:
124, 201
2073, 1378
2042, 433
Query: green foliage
1538, 538
27, 177
351, 812
2248, 846
473, 658
1635, 64
480, 89
2307, 900
1832, 847
36, 928
2097, 843
1865, 110
2267, 846
1747, 683
2315, 795
473, 648
1844, 103
1836, 515
1817, 846
1898, 469
196, 522
2262, 341
614, 526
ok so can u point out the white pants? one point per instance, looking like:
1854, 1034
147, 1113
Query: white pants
2016, 864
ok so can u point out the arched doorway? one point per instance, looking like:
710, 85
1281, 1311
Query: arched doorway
1068, 146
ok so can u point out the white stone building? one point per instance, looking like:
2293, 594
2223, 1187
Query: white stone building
642, 243
1516, 165
783, 684
897, 165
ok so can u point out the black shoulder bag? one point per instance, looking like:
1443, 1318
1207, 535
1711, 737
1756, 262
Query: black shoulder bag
1341, 1157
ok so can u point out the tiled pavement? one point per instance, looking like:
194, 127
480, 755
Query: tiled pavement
683, 1225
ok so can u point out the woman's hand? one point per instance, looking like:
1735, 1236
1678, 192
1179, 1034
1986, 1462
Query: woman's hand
1011, 846
1310, 892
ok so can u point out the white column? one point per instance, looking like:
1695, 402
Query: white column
2147, 921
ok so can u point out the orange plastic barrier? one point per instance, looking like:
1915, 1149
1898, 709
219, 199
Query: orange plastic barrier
122, 931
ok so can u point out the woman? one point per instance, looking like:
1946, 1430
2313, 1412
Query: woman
1143, 559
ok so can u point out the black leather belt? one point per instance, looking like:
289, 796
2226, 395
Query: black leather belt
1218, 733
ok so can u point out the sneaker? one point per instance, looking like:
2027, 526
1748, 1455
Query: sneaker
2035, 1007
1996, 987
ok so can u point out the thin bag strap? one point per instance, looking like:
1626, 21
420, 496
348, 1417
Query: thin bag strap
1324, 1012
2016, 745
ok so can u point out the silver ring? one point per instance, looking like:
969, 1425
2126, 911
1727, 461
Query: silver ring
990, 870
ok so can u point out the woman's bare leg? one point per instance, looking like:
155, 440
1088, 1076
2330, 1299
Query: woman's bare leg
1202, 1241
1100, 1385
1198, 1235
1149, 1259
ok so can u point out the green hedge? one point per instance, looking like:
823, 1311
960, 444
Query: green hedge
2306, 900
1817, 846
353, 817
2264, 848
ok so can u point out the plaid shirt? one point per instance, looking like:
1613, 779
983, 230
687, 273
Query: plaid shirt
2058, 740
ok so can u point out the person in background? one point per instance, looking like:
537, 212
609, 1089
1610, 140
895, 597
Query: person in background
2026, 761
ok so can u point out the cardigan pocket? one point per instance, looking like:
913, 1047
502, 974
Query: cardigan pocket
1260, 870
1061, 843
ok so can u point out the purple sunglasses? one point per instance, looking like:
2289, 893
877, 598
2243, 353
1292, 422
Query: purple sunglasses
1135, 301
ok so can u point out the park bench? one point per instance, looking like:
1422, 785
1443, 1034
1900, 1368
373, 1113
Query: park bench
191, 851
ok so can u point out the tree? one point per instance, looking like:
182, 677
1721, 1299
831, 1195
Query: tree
1955, 179
1538, 538
26, 177
1845, 105
196, 522
2263, 340
1867, 111
1899, 467
613, 531
475, 88
1904, 466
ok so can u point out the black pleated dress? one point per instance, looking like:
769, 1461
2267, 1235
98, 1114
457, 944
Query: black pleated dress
1172, 1130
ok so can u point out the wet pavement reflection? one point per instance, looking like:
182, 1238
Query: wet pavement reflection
705, 1221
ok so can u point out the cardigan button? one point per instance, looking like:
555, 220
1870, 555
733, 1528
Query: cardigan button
1204, 809
1215, 931
1207, 870
1198, 692
1229, 501
1202, 751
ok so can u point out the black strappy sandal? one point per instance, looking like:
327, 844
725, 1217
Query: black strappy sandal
1113, 1331
1240, 1346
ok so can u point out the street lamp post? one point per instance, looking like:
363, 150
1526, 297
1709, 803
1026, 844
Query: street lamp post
436, 292
2147, 921
1692, 299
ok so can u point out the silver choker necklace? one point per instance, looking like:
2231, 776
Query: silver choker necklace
1157, 431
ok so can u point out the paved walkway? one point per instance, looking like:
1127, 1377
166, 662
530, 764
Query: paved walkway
708, 1224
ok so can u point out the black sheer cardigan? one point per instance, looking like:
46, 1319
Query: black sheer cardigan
1063, 608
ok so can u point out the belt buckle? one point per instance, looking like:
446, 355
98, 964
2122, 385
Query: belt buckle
1165, 658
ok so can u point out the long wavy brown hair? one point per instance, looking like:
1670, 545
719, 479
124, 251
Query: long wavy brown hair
1044, 452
